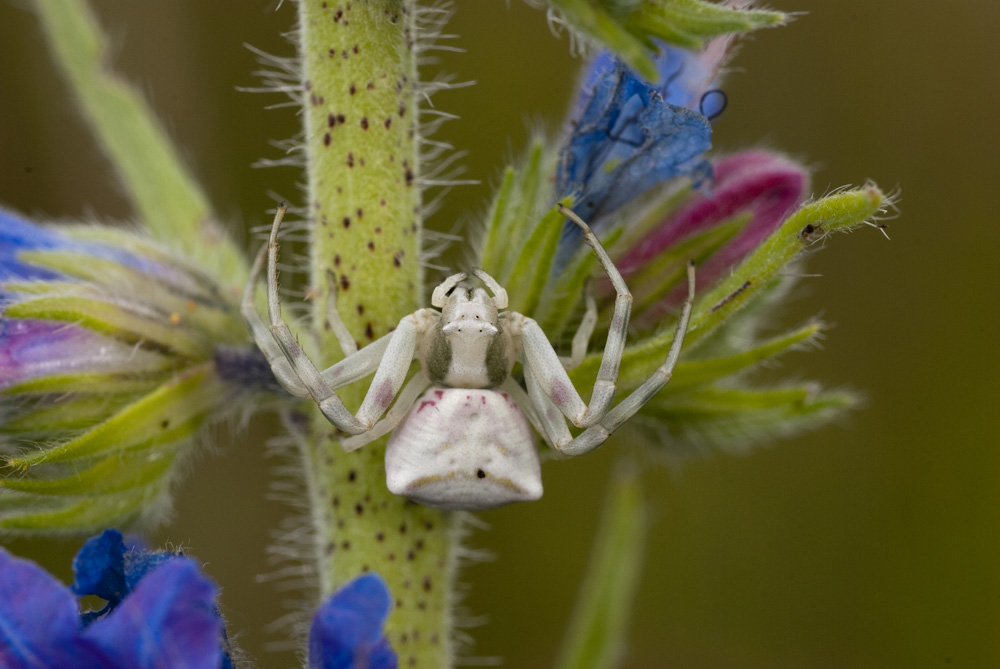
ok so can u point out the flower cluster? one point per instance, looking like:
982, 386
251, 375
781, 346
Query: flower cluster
633, 160
113, 353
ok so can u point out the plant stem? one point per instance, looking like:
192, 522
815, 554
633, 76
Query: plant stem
362, 141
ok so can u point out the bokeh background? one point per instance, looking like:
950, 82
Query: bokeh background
871, 543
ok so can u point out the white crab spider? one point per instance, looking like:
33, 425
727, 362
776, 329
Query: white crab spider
461, 437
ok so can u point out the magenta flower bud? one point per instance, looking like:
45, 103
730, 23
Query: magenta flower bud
765, 186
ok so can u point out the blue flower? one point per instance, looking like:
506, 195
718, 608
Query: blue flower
346, 632
161, 612
630, 136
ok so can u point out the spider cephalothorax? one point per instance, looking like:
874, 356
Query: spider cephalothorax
462, 426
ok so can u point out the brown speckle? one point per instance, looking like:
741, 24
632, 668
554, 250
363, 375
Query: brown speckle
364, 123
326, 139
409, 177
359, 509
380, 537
361, 309
369, 332
371, 246
427, 584
345, 544
402, 110
388, 123
350, 159
352, 476
360, 212
347, 221
345, 283
352, 90
336, 260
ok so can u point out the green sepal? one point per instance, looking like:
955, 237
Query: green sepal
56, 416
491, 256
668, 270
756, 274
170, 413
692, 373
531, 271
515, 212
91, 383
86, 515
186, 304
840, 212
630, 29
151, 330
115, 473
735, 418
598, 628
565, 294
591, 19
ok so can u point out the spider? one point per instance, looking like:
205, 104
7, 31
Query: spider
462, 426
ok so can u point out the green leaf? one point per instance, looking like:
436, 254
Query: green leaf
598, 628
165, 196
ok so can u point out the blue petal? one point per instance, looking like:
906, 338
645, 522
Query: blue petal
100, 567
627, 140
169, 620
347, 632
139, 562
38, 618
16, 235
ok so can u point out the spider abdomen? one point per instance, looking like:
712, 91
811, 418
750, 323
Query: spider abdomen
460, 448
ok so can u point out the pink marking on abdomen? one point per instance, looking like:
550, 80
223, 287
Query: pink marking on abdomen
425, 403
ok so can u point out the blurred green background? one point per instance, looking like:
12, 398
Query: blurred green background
871, 543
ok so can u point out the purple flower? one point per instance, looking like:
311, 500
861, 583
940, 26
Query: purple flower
346, 632
161, 612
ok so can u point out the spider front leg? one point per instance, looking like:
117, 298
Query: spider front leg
594, 436
548, 370
392, 355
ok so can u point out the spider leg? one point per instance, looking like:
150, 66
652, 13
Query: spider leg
582, 337
538, 354
594, 436
280, 366
347, 344
404, 401
389, 376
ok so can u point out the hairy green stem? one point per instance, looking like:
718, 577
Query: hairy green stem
362, 147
